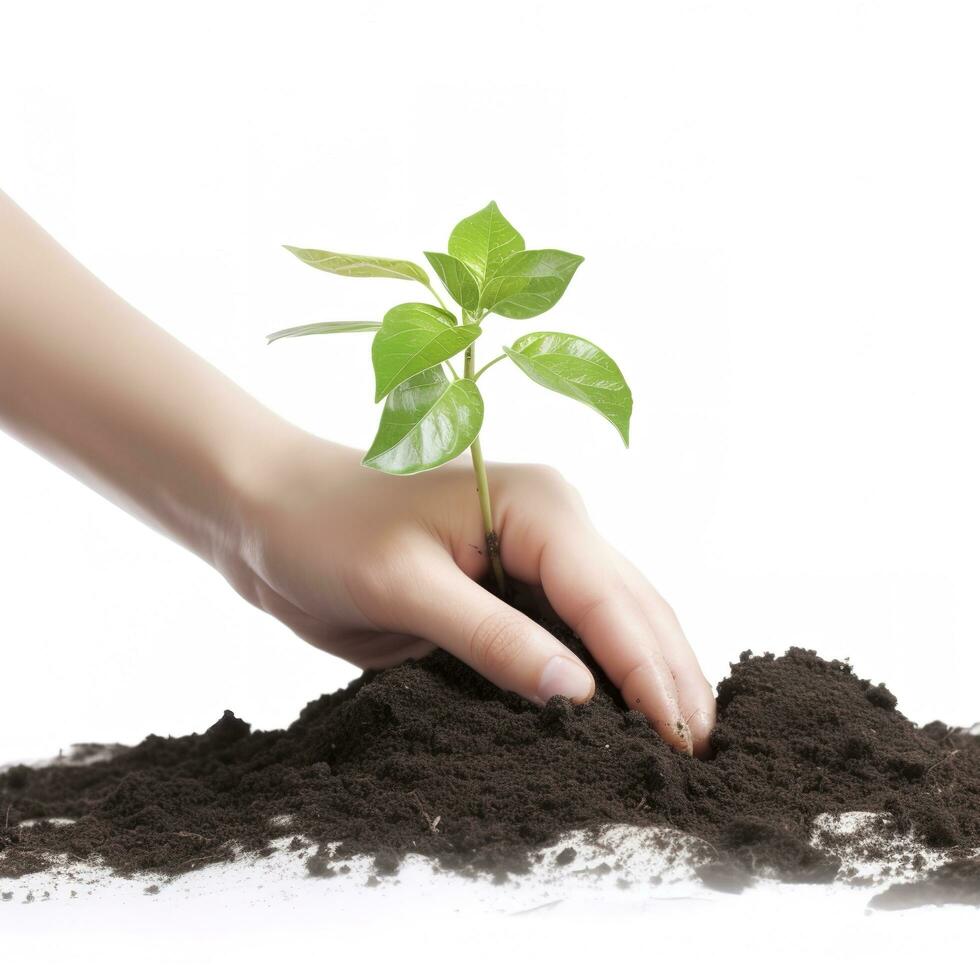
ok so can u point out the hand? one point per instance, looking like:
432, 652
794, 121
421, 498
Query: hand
378, 569
371, 567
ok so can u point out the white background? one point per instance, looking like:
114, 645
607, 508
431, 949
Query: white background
778, 204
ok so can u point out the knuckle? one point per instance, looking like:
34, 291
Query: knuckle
548, 476
497, 643
553, 482
593, 607
574, 498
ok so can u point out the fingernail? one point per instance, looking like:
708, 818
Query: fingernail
647, 690
684, 731
699, 725
566, 677
676, 733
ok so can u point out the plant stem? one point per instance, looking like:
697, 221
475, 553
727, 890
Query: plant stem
483, 489
439, 299
489, 364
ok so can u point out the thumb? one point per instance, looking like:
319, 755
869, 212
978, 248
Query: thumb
496, 640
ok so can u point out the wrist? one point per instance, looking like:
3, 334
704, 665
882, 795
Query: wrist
268, 473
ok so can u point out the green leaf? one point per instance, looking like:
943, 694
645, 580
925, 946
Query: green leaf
529, 283
457, 278
426, 422
576, 367
338, 326
360, 266
483, 241
413, 337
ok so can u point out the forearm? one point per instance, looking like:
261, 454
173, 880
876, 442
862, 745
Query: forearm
95, 386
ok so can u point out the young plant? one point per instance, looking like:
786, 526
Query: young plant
430, 417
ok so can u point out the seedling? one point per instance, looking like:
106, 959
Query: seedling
431, 416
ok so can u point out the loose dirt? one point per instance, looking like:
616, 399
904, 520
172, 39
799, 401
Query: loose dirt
427, 758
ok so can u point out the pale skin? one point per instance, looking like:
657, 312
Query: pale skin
372, 568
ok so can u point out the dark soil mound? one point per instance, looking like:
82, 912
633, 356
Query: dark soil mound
429, 758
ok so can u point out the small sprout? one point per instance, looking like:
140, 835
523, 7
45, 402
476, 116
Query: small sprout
433, 410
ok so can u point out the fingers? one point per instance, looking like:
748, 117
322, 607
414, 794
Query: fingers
496, 640
602, 610
696, 696
594, 592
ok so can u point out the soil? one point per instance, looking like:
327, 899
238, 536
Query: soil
428, 758
955, 883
